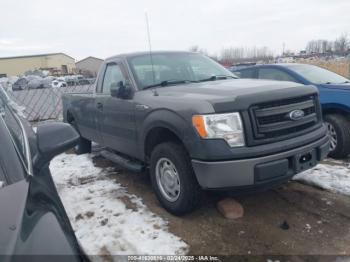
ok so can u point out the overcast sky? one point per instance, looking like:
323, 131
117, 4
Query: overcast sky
103, 28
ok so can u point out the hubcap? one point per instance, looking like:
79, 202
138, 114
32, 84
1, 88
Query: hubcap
168, 179
332, 134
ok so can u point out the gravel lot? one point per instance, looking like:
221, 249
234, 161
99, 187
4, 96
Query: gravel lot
318, 221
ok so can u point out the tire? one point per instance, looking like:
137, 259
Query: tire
84, 145
338, 129
189, 193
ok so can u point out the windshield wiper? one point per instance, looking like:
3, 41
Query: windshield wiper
169, 82
216, 77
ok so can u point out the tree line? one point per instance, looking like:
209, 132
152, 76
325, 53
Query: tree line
238, 54
340, 45
234, 55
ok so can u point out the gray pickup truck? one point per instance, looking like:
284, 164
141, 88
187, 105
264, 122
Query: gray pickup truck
195, 126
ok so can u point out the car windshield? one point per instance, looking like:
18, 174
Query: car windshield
318, 75
175, 68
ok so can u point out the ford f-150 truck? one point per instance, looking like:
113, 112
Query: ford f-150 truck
195, 126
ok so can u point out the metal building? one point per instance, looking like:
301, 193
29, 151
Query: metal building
89, 66
56, 63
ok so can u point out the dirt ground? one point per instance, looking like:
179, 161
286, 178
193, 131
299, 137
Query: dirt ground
294, 219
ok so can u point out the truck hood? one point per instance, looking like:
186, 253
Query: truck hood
235, 94
225, 88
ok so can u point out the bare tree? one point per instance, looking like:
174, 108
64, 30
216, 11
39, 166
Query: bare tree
341, 44
197, 49
234, 55
194, 48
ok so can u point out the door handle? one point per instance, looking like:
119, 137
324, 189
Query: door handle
99, 106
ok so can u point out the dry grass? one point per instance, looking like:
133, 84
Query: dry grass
339, 67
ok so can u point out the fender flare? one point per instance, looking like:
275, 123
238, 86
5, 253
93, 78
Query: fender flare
167, 119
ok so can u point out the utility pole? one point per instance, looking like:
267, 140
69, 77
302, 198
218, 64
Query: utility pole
283, 48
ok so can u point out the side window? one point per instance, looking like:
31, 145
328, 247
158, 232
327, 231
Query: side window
2, 109
237, 73
13, 161
113, 75
16, 133
2, 178
274, 74
247, 73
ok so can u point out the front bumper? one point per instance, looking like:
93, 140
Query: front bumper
260, 171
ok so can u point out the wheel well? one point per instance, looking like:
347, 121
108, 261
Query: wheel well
336, 111
156, 136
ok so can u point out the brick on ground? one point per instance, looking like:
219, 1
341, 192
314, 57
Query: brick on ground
230, 208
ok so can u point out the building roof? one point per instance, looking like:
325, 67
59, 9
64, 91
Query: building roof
28, 56
89, 57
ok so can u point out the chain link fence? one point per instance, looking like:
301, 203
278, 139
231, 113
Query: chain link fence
45, 104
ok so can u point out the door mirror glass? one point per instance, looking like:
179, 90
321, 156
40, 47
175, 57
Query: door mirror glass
121, 89
115, 87
53, 139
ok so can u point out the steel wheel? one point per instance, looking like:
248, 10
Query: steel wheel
168, 180
332, 134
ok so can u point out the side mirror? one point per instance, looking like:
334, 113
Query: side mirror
121, 89
115, 89
53, 139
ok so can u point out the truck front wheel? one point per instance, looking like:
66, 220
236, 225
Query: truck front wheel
339, 134
173, 179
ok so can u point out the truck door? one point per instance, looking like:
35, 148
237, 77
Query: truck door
117, 116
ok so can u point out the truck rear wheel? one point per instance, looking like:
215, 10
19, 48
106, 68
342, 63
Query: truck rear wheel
173, 179
339, 134
84, 145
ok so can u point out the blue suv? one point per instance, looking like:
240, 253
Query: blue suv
334, 96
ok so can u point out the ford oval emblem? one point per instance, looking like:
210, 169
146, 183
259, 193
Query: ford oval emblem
296, 114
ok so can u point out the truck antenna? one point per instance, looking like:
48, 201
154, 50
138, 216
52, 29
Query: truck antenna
150, 47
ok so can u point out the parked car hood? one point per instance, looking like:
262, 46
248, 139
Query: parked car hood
345, 86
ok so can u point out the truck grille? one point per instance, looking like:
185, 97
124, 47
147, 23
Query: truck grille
273, 121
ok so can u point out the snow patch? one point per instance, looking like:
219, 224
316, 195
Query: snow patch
107, 219
334, 178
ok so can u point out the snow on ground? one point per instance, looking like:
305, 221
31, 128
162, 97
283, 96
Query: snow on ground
105, 217
109, 220
335, 178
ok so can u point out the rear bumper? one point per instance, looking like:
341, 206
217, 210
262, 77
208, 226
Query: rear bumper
260, 171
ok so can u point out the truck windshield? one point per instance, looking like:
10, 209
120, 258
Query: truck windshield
175, 68
318, 75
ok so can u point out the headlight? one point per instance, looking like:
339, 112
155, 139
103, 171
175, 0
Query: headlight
225, 126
